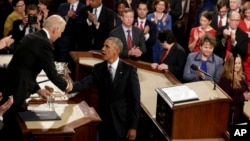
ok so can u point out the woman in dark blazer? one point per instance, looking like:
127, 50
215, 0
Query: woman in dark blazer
173, 57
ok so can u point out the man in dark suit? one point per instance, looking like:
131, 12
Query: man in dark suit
149, 29
69, 11
94, 23
220, 15
131, 36
119, 94
231, 39
26, 25
33, 54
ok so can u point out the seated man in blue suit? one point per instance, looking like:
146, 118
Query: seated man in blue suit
119, 94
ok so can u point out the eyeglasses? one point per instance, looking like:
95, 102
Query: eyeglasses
222, 11
19, 6
235, 20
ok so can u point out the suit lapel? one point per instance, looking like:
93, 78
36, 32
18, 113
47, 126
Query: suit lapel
118, 74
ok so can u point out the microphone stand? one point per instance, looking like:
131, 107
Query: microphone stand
232, 108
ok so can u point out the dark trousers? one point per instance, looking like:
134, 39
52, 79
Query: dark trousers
107, 132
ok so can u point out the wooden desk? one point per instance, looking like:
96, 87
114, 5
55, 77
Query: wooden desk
149, 79
83, 128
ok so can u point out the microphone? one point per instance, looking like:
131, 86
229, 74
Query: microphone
194, 67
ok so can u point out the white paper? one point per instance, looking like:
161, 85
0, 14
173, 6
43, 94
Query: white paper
180, 93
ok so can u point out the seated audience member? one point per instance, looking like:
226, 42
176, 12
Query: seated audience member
219, 16
28, 24
231, 39
149, 29
118, 12
173, 57
163, 20
206, 61
197, 32
244, 25
17, 14
131, 36
119, 94
233, 82
4, 107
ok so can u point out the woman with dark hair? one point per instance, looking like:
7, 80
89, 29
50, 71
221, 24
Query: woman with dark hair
233, 82
45, 10
197, 32
173, 57
163, 20
119, 7
18, 13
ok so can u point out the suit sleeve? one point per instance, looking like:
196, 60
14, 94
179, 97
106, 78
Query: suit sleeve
47, 60
142, 43
85, 83
188, 75
134, 101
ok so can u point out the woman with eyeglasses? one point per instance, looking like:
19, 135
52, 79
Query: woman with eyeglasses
17, 14
219, 16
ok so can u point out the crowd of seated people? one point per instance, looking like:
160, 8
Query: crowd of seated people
146, 28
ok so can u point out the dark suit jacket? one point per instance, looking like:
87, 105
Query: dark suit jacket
119, 102
215, 19
1, 125
176, 9
88, 37
240, 48
66, 42
137, 37
16, 33
34, 53
148, 56
176, 60
63, 10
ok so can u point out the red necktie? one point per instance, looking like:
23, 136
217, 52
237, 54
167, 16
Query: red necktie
229, 44
129, 40
87, 2
164, 56
141, 25
220, 22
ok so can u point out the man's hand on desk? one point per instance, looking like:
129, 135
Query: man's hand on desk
44, 92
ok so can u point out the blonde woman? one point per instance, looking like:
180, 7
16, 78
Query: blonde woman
233, 82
